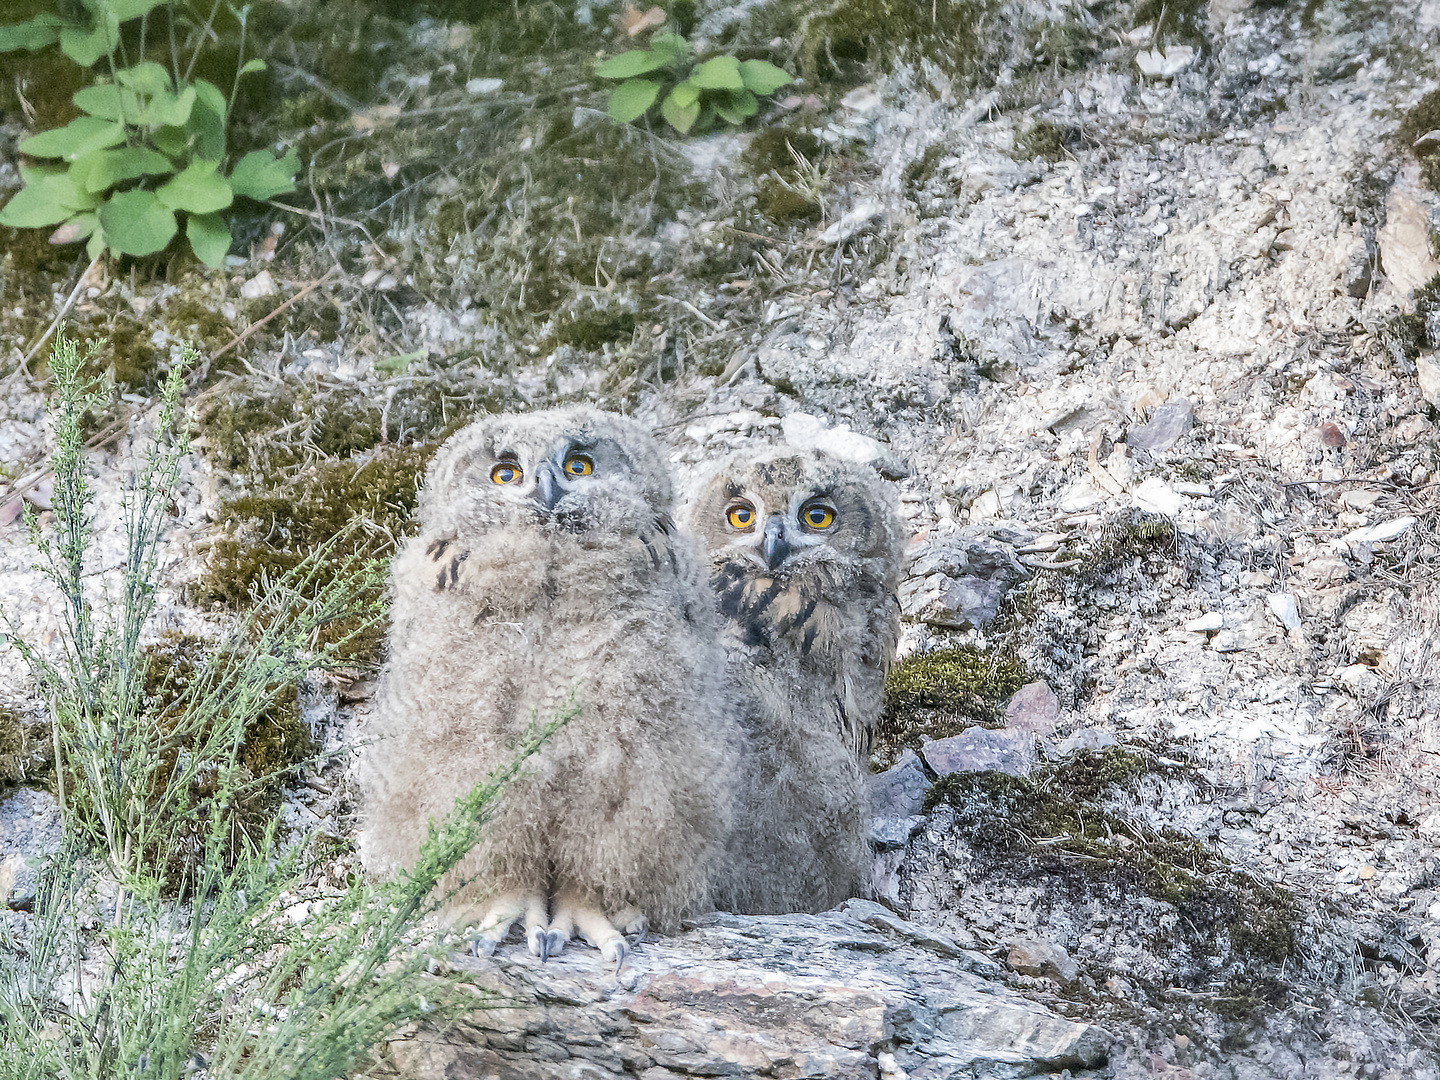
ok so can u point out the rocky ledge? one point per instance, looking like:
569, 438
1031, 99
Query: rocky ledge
855, 992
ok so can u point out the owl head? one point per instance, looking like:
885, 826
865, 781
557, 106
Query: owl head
792, 515
575, 469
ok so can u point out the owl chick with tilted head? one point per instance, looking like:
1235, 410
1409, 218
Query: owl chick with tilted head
805, 553
548, 571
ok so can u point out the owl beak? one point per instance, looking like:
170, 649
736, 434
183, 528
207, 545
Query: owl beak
547, 491
775, 546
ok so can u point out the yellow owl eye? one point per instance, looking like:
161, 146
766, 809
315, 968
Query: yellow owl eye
506, 473
818, 517
741, 515
579, 465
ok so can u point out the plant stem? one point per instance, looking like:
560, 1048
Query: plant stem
205, 31
243, 15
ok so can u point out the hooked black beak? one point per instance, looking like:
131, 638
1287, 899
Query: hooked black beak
775, 547
547, 491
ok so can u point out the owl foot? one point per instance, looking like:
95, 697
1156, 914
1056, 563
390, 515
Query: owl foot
596, 929
495, 921
632, 922
537, 929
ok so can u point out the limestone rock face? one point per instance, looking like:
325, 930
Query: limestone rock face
959, 583
851, 994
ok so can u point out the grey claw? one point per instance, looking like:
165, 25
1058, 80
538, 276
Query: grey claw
539, 942
481, 945
554, 943
622, 951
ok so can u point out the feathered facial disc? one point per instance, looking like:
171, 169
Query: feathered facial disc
787, 512
573, 469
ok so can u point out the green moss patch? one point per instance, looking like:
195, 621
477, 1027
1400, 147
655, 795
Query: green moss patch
958, 36
1063, 46
941, 693
786, 206
1050, 823
25, 750
1137, 535
774, 150
1176, 21
192, 318
1049, 141
1421, 120
369, 497
594, 328
1408, 334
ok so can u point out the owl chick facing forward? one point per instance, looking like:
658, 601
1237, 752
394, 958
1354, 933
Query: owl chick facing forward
547, 571
805, 554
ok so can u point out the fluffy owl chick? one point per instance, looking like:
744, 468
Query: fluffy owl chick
548, 572
805, 553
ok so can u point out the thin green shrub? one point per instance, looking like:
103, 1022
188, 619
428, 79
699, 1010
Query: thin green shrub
262, 970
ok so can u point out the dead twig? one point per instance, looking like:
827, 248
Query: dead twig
306, 291
23, 369
28, 482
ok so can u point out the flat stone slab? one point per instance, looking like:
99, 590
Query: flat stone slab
1033, 708
1164, 427
980, 749
792, 995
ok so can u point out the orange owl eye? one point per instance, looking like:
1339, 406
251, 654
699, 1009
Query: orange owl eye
741, 516
506, 473
818, 516
579, 465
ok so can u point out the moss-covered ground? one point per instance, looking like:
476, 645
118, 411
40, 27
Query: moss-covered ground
1056, 823
310, 464
941, 693
1423, 118
25, 754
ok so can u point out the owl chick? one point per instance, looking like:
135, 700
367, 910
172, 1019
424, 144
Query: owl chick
805, 554
548, 571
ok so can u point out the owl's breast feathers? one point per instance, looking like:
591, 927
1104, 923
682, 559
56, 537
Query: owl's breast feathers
511, 571
778, 613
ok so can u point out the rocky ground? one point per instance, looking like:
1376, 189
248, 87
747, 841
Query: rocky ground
1135, 305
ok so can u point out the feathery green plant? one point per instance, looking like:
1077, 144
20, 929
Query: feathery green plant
264, 971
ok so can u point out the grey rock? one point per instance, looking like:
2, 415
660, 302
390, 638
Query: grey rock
896, 797
1088, 738
29, 823
889, 833
899, 791
794, 995
960, 582
1040, 956
1360, 270
17, 883
1034, 708
1165, 425
886, 871
980, 749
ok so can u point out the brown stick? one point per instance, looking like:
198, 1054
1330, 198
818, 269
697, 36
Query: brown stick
64, 309
306, 291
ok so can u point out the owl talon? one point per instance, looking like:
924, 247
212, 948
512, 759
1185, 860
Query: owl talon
616, 951
555, 942
632, 922
481, 945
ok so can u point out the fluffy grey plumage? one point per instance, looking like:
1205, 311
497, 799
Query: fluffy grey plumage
805, 554
547, 567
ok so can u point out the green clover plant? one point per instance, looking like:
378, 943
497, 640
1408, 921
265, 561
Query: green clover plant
149, 148
695, 95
